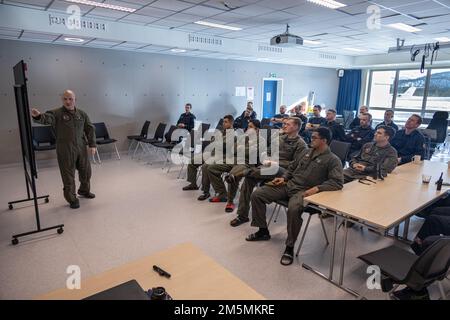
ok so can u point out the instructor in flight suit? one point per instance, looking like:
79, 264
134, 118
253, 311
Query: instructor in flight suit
74, 134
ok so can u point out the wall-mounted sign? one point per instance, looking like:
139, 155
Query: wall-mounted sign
240, 92
250, 93
272, 75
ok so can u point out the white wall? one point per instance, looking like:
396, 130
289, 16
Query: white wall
125, 88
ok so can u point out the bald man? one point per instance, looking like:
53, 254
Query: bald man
75, 137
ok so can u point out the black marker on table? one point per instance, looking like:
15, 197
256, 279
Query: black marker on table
161, 272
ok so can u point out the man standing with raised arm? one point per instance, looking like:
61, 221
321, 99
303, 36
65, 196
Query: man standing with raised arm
74, 135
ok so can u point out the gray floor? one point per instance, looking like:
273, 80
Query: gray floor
141, 209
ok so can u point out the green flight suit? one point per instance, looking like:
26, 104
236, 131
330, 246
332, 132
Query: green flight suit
74, 132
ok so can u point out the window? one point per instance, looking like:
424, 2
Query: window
382, 89
412, 93
438, 98
411, 88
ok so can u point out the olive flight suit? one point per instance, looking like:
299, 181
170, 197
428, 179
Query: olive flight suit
74, 131
311, 169
289, 148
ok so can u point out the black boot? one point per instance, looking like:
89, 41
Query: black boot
75, 204
261, 235
88, 195
192, 186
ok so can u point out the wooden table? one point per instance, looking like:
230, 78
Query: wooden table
380, 206
194, 276
413, 172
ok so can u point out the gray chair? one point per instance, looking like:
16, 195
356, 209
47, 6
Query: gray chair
401, 267
341, 149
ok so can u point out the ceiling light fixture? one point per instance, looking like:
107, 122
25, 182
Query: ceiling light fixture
404, 27
76, 40
442, 39
102, 5
216, 25
354, 49
328, 3
314, 42
176, 50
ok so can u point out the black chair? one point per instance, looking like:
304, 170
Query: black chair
168, 144
145, 144
103, 138
205, 127
429, 135
310, 211
143, 135
440, 124
220, 124
341, 149
401, 267
43, 138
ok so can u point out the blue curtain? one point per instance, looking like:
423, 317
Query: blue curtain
349, 91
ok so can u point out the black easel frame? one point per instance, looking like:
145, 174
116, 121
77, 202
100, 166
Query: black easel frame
28, 159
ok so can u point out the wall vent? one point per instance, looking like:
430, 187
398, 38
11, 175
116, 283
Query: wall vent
327, 56
205, 40
269, 49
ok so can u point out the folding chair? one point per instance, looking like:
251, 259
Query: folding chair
136, 138
167, 145
103, 138
146, 144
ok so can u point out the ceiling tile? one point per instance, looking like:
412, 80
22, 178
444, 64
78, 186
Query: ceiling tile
173, 5
203, 11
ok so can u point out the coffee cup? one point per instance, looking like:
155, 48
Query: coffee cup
416, 159
426, 178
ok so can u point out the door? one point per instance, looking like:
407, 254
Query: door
270, 98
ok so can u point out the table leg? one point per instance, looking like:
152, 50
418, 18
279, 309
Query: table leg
396, 230
344, 248
406, 229
333, 248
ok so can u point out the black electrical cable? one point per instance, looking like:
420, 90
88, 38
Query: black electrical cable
422, 66
434, 54
414, 54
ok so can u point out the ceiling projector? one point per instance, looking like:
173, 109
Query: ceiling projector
286, 39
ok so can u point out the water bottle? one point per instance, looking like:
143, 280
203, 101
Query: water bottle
439, 182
